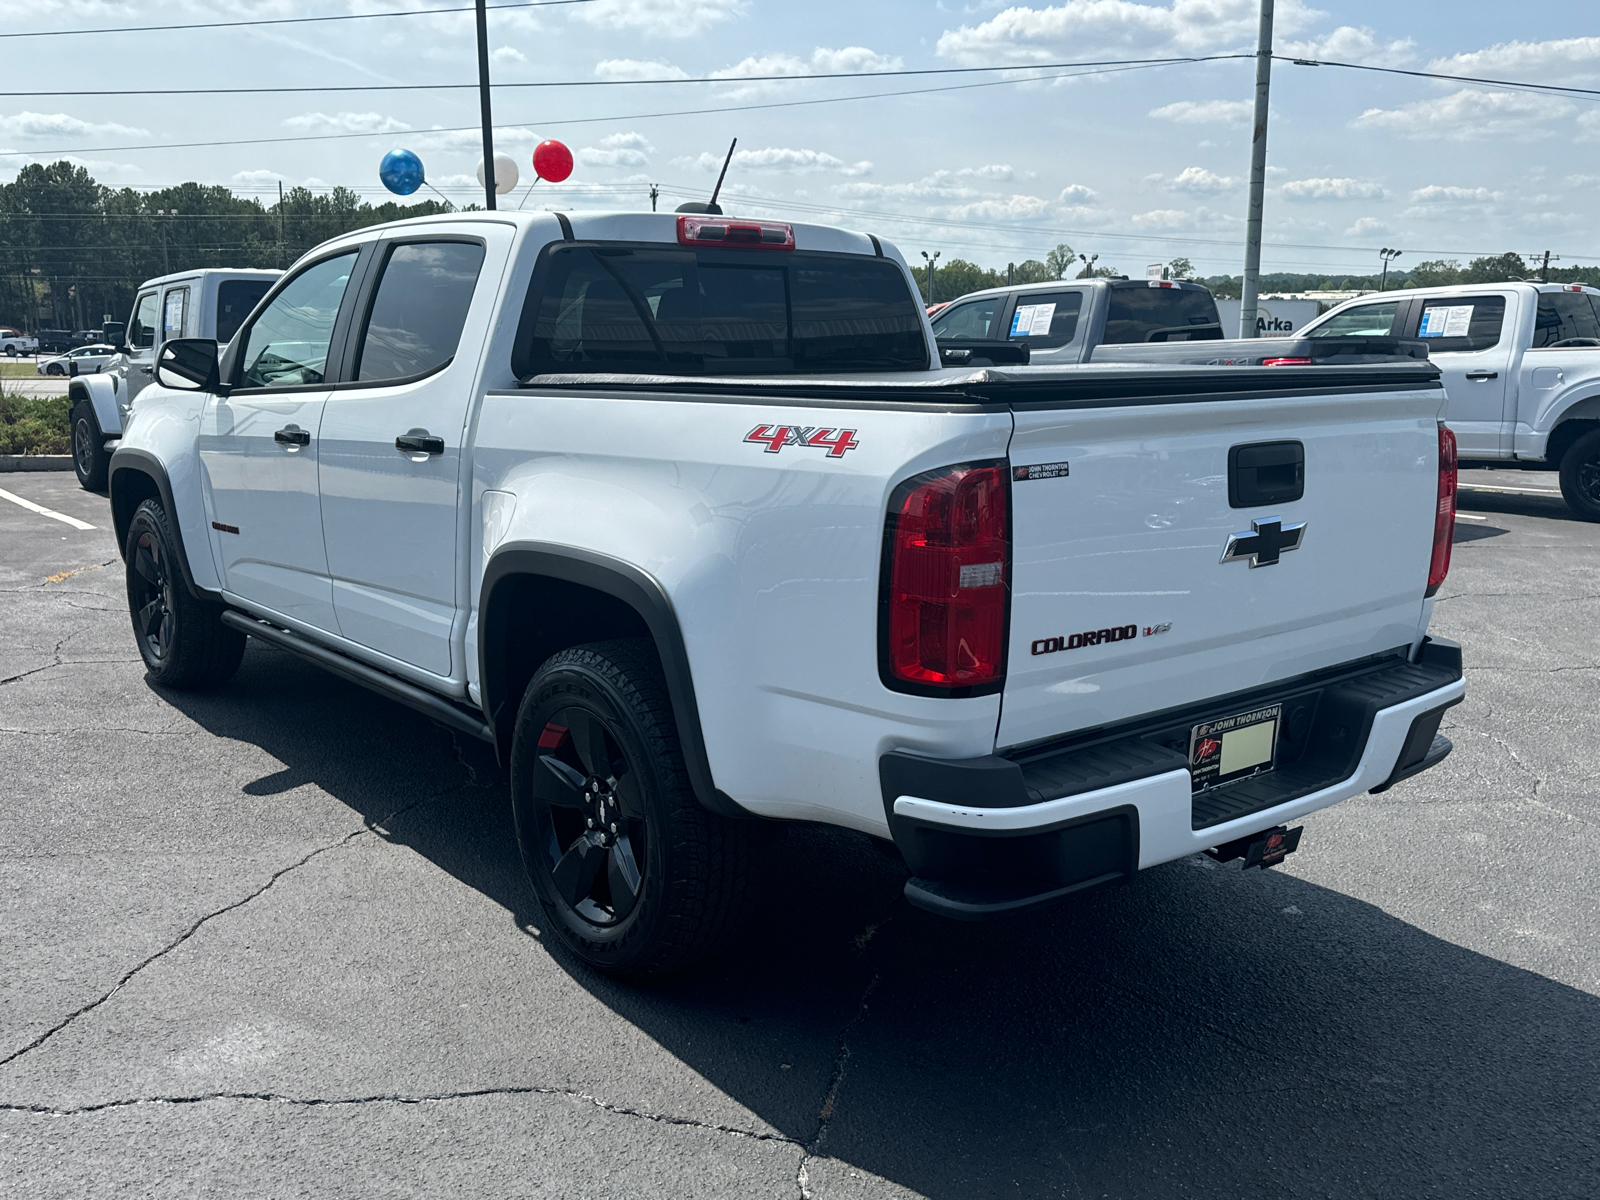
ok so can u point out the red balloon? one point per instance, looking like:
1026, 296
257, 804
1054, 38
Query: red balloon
552, 161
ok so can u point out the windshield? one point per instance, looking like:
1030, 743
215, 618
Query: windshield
703, 312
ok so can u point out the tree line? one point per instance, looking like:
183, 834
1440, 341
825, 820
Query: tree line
73, 251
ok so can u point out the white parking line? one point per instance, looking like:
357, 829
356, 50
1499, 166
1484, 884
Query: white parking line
45, 512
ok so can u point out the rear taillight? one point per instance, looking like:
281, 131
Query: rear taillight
945, 590
742, 235
1444, 516
1285, 362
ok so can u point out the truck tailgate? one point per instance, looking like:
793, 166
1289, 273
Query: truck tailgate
1120, 603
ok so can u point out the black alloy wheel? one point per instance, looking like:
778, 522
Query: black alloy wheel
90, 460
55, 369
150, 585
636, 878
590, 815
1580, 476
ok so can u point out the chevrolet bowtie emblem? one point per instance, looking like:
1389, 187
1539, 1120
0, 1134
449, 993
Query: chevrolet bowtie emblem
1269, 537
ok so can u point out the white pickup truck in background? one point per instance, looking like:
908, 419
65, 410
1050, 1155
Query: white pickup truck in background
14, 343
683, 516
1521, 369
208, 303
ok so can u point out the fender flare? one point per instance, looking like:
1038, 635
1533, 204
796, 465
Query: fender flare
101, 393
126, 463
636, 589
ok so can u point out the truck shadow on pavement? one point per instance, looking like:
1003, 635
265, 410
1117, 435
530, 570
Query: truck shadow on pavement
1201, 1031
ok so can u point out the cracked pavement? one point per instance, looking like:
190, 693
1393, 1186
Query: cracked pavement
275, 940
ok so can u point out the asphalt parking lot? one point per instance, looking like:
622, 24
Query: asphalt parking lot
274, 940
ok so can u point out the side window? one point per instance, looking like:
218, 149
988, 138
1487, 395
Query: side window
1140, 313
236, 298
974, 319
174, 312
1462, 323
142, 333
419, 309
1046, 319
287, 346
1364, 320
1563, 315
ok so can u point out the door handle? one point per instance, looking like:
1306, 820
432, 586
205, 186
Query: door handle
1481, 375
419, 441
292, 435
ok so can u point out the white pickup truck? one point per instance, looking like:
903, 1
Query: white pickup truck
1521, 369
14, 343
682, 516
208, 303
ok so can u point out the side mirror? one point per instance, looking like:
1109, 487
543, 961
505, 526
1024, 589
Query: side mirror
188, 365
116, 333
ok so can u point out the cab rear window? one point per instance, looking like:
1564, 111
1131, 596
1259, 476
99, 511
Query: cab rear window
664, 310
1140, 313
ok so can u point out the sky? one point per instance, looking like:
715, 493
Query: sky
1134, 165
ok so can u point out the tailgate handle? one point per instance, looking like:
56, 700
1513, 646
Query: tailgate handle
1266, 473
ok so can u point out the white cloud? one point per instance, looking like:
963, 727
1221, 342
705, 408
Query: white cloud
1006, 208
60, 125
257, 179
941, 185
779, 158
1205, 112
659, 18
1333, 189
618, 150
1076, 193
1589, 126
1436, 194
633, 68
346, 122
507, 56
1368, 227
1349, 43
1559, 61
1022, 36
1201, 181
854, 60
1470, 115
1162, 218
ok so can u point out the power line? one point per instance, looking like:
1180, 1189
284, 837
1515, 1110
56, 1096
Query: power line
685, 112
412, 12
1511, 84
602, 83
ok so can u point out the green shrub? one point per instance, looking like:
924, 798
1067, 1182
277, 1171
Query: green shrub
35, 426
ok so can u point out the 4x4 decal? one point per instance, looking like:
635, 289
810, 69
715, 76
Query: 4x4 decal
776, 437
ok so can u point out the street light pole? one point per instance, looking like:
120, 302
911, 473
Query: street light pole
931, 261
1388, 256
1258, 177
483, 103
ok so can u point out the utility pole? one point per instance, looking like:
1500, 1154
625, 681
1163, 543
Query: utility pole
282, 245
1011, 274
1544, 270
483, 103
931, 261
1388, 256
654, 192
1258, 177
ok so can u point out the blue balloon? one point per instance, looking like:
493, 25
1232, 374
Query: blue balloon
401, 172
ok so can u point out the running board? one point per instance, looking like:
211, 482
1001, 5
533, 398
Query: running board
423, 701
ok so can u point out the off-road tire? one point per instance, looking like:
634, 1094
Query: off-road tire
181, 638
1580, 476
694, 885
90, 459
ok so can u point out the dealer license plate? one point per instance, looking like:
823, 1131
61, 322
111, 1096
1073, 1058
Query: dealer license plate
1235, 747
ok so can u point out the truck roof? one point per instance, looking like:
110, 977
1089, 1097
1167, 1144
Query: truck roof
1456, 289
203, 272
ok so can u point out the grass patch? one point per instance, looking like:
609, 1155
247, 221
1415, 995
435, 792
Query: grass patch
35, 426
15, 370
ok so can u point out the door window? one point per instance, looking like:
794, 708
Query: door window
142, 332
287, 346
236, 298
1364, 320
1046, 320
1461, 323
1563, 315
419, 310
974, 319
174, 313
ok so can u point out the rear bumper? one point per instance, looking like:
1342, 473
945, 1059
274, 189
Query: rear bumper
995, 835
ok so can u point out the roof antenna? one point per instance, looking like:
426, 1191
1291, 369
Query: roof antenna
712, 208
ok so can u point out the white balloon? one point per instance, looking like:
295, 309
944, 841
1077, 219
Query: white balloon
505, 174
